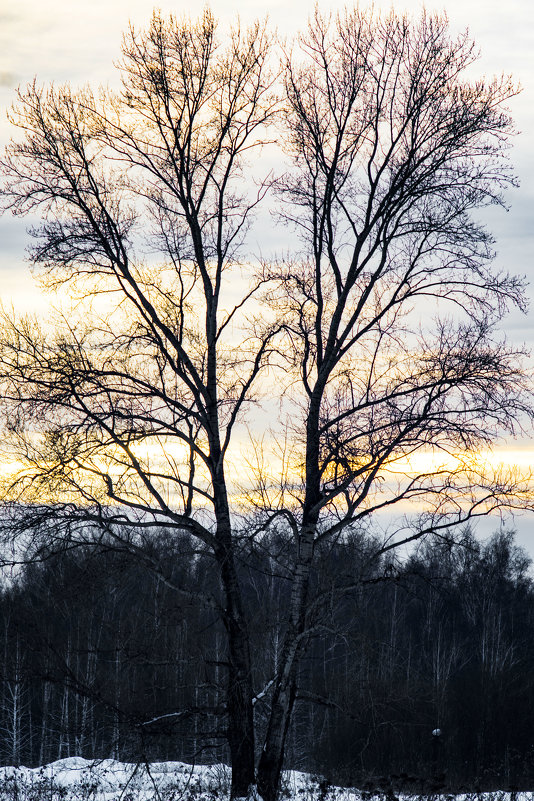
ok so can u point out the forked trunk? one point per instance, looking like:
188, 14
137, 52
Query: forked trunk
272, 757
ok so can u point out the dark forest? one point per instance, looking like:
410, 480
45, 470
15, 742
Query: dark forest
103, 658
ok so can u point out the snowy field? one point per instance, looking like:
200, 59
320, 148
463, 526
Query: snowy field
76, 779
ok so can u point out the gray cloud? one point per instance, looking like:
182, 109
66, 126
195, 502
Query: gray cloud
8, 79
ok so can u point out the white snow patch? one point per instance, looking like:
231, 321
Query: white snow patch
77, 779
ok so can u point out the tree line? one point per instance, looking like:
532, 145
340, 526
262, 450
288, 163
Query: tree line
102, 658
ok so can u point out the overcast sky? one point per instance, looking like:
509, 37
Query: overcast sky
78, 41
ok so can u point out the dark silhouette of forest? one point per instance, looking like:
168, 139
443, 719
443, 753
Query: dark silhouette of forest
102, 657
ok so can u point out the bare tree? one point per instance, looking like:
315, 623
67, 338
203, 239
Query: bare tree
123, 418
388, 313
132, 412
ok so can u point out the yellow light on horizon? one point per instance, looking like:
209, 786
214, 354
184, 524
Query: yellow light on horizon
422, 462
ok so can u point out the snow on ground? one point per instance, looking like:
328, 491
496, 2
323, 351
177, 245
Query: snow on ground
77, 779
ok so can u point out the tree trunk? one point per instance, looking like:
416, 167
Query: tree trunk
240, 693
240, 716
272, 757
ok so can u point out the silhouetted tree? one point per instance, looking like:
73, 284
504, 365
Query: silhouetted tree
123, 418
